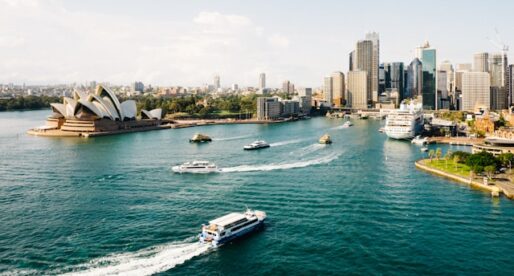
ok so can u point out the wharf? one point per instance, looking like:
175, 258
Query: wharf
457, 141
507, 188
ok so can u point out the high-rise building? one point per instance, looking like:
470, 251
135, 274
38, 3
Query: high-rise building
291, 88
262, 81
496, 70
450, 78
338, 89
305, 99
351, 63
381, 79
235, 87
328, 90
268, 108
498, 98
414, 79
286, 86
364, 62
427, 56
394, 78
464, 67
476, 90
217, 83
357, 89
138, 87
481, 62
442, 90
510, 84
375, 61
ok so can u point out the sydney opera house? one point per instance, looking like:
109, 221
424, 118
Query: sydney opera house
100, 112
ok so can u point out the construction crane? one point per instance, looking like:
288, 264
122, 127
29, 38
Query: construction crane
504, 48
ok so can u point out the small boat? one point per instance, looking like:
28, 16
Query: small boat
325, 139
200, 138
418, 140
381, 130
364, 117
229, 227
256, 145
347, 124
424, 149
196, 167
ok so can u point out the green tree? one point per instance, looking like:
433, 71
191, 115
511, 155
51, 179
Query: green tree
431, 155
489, 171
438, 153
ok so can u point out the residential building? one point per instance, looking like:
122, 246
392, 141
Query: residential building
305, 99
138, 87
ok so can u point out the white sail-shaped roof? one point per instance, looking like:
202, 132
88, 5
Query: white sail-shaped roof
129, 109
69, 104
59, 108
90, 106
156, 113
104, 105
106, 92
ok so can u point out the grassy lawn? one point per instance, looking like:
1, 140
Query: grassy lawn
449, 166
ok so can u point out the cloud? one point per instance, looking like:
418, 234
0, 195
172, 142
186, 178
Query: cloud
278, 40
42, 42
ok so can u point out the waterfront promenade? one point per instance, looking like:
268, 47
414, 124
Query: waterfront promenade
498, 185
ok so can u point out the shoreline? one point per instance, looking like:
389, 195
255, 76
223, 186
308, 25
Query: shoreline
493, 189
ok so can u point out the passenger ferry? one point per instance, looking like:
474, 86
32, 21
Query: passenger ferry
196, 167
256, 145
406, 122
234, 225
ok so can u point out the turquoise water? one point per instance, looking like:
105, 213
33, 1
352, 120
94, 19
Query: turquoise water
112, 204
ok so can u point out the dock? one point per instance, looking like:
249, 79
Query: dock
457, 141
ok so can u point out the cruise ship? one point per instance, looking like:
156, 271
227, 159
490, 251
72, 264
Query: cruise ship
234, 225
405, 122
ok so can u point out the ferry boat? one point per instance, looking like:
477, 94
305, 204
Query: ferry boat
256, 145
231, 226
325, 139
404, 123
200, 138
196, 167
418, 140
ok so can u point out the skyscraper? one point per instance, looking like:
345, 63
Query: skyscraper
338, 88
496, 70
481, 62
375, 61
357, 89
262, 81
414, 79
327, 90
510, 84
442, 90
428, 61
476, 91
450, 78
286, 86
217, 83
351, 63
305, 96
393, 75
364, 62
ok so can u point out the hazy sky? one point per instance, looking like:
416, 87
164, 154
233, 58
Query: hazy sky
187, 42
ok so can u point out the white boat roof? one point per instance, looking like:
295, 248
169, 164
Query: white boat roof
227, 219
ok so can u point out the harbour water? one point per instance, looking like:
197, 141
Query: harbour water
112, 205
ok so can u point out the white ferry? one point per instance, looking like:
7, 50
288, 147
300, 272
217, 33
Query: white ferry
231, 226
256, 145
404, 123
196, 167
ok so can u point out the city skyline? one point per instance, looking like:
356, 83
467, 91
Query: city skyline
121, 42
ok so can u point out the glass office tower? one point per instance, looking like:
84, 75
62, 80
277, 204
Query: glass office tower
428, 60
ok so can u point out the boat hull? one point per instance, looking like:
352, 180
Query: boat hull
240, 234
178, 169
256, 148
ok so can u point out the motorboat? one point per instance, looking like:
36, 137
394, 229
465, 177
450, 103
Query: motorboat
418, 140
231, 226
196, 167
200, 138
325, 139
256, 145
424, 149
347, 124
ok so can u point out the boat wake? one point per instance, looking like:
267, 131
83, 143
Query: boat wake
146, 261
283, 166
288, 142
232, 138
308, 149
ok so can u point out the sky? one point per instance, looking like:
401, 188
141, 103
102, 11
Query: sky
186, 43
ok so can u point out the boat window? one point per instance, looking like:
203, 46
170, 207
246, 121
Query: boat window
244, 225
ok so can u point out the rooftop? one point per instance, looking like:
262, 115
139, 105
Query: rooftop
227, 219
